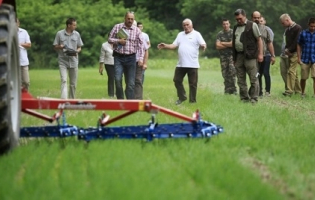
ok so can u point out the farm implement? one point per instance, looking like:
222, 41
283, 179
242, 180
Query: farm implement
193, 127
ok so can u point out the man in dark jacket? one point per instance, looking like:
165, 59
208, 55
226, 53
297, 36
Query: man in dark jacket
247, 50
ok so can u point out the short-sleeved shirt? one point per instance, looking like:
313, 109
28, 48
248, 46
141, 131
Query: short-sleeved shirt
23, 38
188, 48
307, 42
225, 36
145, 47
145, 37
238, 32
73, 41
265, 36
106, 56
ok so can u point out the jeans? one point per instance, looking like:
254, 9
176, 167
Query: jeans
125, 65
138, 83
110, 70
264, 70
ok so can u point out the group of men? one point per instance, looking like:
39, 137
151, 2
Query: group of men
248, 50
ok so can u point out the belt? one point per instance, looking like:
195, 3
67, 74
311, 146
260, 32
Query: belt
123, 55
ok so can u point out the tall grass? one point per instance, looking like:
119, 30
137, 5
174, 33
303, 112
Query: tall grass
265, 152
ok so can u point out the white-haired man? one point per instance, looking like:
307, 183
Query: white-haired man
188, 42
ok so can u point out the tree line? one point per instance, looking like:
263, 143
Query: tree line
162, 21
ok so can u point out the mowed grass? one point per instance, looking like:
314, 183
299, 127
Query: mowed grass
265, 152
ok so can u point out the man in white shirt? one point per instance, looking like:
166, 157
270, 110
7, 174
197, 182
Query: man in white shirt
188, 42
24, 44
146, 39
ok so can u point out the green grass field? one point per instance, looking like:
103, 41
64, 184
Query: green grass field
266, 150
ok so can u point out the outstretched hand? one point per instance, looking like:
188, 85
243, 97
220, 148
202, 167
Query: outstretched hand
161, 46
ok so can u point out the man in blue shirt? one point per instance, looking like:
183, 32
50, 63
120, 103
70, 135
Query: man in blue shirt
306, 55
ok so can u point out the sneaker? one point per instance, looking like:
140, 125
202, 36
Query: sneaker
179, 102
303, 95
267, 94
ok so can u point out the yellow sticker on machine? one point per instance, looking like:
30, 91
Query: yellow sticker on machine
141, 105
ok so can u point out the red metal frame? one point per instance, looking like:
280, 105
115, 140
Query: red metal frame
131, 106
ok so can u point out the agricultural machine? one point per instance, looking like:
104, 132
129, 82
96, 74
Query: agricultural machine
14, 100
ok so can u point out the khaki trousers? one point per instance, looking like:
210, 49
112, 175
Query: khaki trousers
73, 73
288, 71
25, 78
245, 66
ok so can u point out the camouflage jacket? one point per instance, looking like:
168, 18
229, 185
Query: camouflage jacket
223, 36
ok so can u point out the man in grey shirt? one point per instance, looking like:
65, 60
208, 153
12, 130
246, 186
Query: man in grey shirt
68, 44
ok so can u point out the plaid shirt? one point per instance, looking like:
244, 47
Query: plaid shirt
133, 43
307, 42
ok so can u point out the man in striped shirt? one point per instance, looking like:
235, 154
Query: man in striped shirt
125, 54
306, 54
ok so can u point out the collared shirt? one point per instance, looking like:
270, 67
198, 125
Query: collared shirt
307, 42
133, 42
23, 38
106, 56
73, 41
238, 32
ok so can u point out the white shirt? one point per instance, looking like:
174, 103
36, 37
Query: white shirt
145, 47
188, 48
145, 37
23, 38
106, 56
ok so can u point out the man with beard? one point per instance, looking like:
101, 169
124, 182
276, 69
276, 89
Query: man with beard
269, 55
247, 50
125, 54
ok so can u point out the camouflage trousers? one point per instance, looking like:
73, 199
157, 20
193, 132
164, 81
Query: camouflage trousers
228, 74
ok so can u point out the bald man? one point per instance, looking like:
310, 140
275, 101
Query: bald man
188, 42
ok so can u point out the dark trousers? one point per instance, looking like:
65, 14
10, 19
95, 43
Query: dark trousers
110, 70
125, 65
139, 82
179, 75
264, 70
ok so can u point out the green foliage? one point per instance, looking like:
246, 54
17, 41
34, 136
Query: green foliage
42, 19
162, 21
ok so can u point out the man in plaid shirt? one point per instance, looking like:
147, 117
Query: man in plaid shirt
306, 54
125, 55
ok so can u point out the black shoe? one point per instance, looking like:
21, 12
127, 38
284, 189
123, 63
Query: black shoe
253, 101
179, 102
245, 100
286, 94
